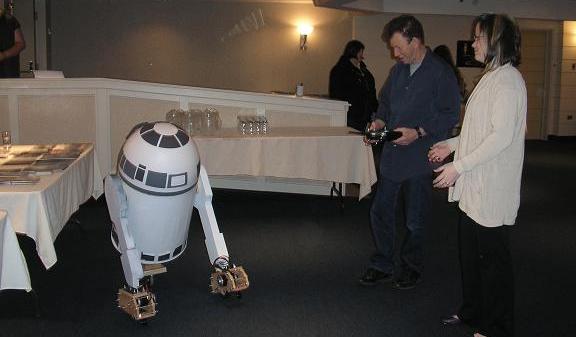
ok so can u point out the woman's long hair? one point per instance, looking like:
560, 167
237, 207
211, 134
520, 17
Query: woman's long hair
351, 50
444, 52
503, 40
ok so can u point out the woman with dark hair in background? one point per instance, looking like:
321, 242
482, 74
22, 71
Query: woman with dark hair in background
485, 178
444, 52
351, 81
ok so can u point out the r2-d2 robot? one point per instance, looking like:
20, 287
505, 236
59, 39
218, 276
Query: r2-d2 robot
159, 181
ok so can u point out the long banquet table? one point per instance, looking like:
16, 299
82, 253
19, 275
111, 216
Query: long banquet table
41, 210
333, 154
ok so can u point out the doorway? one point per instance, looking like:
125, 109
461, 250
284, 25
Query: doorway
535, 56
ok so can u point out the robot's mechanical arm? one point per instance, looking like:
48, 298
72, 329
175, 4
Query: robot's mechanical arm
226, 278
117, 207
215, 243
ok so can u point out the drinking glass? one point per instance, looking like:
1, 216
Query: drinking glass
6, 140
190, 123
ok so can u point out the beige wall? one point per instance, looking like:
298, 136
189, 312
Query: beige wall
4, 114
243, 46
447, 29
253, 46
60, 118
438, 29
567, 110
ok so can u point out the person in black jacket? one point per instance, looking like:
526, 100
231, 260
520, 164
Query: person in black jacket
351, 81
11, 42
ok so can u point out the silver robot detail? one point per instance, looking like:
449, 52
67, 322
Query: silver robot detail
158, 184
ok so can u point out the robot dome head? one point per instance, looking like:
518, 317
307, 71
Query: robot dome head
159, 158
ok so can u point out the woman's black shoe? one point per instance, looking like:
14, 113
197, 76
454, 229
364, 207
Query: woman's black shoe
451, 320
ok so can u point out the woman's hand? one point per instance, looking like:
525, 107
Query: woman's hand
438, 152
447, 177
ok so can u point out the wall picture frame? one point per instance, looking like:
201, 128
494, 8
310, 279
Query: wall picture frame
465, 55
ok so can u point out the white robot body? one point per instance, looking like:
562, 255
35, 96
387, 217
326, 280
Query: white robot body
159, 167
160, 238
150, 201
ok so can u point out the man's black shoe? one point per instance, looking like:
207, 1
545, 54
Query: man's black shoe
408, 280
451, 320
373, 276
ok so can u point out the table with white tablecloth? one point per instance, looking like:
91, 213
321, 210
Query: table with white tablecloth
333, 154
41, 210
13, 271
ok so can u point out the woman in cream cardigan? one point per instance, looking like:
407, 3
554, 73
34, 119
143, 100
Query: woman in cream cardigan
485, 178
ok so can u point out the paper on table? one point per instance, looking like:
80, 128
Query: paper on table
12, 168
61, 155
49, 165
21, 180
19, 161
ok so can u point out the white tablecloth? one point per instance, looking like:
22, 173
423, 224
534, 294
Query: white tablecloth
323, 153
41, 210
13, 270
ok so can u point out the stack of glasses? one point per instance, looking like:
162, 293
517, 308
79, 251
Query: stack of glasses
253, 125
195, 121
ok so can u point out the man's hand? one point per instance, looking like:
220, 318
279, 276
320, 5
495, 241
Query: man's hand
375, 125
408, 136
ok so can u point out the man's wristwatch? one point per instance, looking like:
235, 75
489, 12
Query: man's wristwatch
417, 128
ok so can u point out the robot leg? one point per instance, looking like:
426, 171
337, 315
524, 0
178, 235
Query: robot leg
134, 299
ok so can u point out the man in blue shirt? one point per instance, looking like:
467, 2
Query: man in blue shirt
421, 100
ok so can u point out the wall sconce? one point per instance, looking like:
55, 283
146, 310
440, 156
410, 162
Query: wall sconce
304, 30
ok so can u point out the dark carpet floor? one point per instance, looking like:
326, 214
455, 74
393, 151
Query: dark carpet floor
304, 257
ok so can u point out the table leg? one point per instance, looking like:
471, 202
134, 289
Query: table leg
338, 192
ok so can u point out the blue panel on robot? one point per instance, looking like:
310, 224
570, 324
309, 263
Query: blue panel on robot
156, 179
182, 137
169, 142
151, 137
129, 168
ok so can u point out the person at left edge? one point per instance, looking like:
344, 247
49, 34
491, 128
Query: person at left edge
351, 81
421, 100
11, 42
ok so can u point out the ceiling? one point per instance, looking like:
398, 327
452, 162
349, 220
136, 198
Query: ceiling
532, 9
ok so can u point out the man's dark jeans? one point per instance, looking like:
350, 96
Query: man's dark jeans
417, 193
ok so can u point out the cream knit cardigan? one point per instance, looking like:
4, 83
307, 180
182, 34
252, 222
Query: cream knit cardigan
490, 149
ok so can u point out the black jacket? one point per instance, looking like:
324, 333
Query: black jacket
10, 67
356, 86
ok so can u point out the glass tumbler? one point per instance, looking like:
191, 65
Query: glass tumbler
6, 140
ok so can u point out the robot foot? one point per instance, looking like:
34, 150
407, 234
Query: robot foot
231, 280
139, 303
